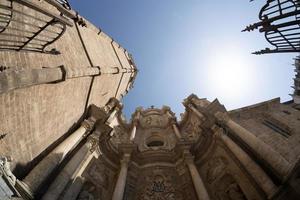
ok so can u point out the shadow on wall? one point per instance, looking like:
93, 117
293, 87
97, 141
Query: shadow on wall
21, 169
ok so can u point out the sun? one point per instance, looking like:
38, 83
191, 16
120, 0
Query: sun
230, 74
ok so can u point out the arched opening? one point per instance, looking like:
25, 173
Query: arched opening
155, 143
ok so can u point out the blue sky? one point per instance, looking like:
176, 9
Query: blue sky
192, 46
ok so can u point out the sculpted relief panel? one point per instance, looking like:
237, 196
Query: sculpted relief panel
158, 121
217, 166
192, 129
159, 184
89, 192
228, 189
223, 184
99, 174
119, 135
99, 181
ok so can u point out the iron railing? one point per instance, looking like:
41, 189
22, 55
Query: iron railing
64, 3
28, 26
280, 21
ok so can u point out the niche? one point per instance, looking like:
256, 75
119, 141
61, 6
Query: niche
155, 141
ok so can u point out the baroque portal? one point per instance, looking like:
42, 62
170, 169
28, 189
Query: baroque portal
63, 135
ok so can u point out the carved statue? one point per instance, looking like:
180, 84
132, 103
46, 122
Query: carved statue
87, 192
85, 195
120, 136
228, 189
4, 165
234, 192
216, 167
222, 118
99, 174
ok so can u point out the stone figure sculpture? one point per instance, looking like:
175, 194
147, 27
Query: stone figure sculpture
216, 168
234, 192
4, 165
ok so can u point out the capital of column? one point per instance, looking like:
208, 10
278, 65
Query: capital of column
135, 121
136, 116
93, 142
222, 118
173, 121
88, 124
185, 147
197, 112
189, 159
218, 131
112, 104
125, 160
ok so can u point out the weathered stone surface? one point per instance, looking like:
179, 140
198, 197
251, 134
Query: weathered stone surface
248, 153
34, 114
214, 162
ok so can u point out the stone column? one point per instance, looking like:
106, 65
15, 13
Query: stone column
59, 184
75, 187
176, 131
112, 116
135, 123
258, 174
200, 115
278, 162
44, 168
121, 182
133, 132
196, 178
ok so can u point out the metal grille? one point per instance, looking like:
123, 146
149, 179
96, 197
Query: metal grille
280, 20
64, 3
26, 26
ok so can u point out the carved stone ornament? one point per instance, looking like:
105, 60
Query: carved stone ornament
126, 159
159, 187
87, 192
88, 124
192, 129
154, 121
99, 175
111, 104
216, 167
234, 192
120, 135
189, 159
228, 189
93, 141
5, 170
222, 118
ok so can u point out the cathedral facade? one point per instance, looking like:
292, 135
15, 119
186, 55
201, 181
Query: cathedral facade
63, 135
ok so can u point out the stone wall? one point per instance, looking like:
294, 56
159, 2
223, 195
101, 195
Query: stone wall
276, 124
35, 117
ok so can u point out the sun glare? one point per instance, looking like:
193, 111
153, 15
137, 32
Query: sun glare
230, 75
